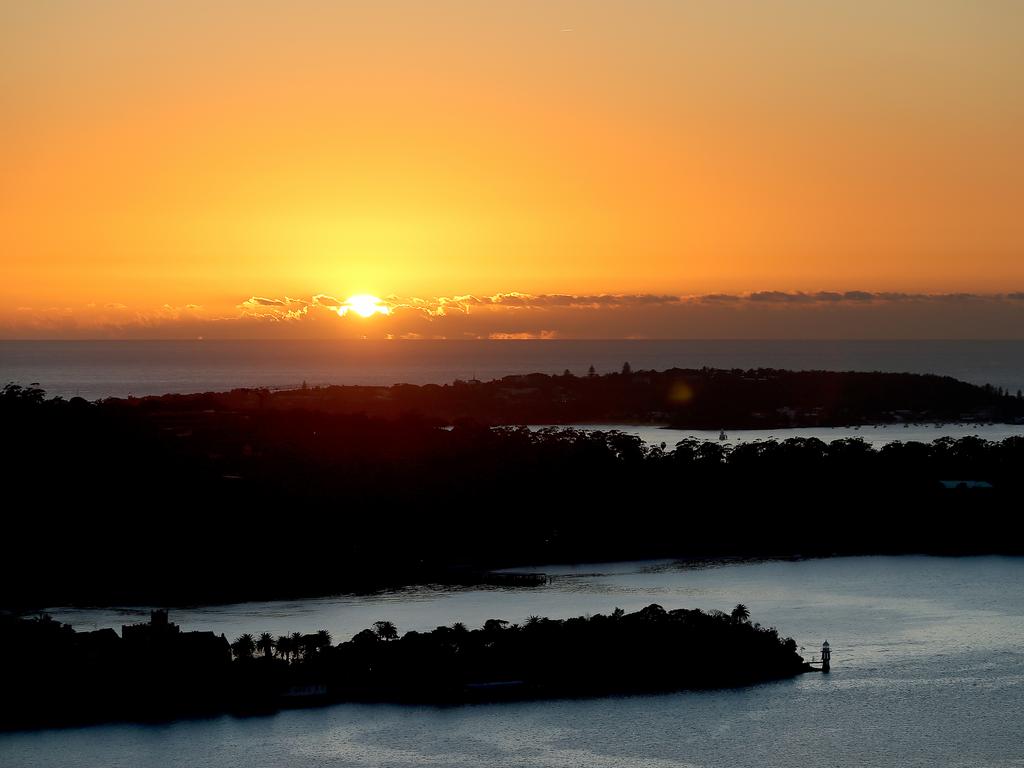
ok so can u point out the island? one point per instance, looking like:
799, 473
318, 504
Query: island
56, 676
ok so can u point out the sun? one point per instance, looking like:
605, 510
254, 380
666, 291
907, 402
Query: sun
364, 305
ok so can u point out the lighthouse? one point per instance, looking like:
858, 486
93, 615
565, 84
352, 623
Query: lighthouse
826, 655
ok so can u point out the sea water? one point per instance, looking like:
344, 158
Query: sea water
927, 670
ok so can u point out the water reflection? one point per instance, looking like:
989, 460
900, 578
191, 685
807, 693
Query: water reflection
927, 670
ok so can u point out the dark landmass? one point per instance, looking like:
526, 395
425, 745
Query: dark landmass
186, 500
697, 398
55, 676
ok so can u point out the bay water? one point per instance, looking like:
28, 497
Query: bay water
927, 670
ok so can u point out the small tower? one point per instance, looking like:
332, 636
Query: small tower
826, 656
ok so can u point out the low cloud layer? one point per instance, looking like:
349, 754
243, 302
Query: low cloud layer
516, 315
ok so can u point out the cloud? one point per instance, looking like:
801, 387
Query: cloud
260, 301
521, 315
595, 300
858, 296
323, 300
522, 335
712, 298
777, 297
515, 299
835, 297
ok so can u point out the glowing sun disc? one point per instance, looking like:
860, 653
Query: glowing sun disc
364, 305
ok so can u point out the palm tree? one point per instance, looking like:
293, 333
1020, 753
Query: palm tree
310, 645
244, 646
295, 642
323, 639
385, 630
265, 645
740, 613
284, 647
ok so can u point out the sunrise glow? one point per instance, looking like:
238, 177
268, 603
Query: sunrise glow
364, 305
162, 163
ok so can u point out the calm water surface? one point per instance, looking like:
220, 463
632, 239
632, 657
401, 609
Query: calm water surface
928, 671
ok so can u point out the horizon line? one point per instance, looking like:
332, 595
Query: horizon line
759, 339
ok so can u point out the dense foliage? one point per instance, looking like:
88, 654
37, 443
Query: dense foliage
54, 675
132, 501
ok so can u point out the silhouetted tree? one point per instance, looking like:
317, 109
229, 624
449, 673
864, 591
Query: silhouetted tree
626, 369
310, 646
299, 448
365, 638
385, 630
16, 393
283, 646
740, 612
651, 649
244, 646
265, 644
652, 612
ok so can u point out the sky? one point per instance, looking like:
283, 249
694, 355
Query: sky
647, 168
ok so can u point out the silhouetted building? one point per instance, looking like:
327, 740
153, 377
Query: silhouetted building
200, 648
99, 641
165, 639
158, 628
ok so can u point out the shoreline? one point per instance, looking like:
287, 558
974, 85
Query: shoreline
536, 578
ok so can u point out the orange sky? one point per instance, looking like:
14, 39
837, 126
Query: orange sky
160, 155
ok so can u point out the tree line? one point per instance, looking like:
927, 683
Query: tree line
165, 505
54, 675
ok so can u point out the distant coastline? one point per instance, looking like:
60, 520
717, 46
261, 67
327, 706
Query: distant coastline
704, 398
100, 369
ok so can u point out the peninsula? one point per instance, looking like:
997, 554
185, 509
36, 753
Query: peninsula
54, 675
706, 398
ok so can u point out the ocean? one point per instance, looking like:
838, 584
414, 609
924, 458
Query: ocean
98, 369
